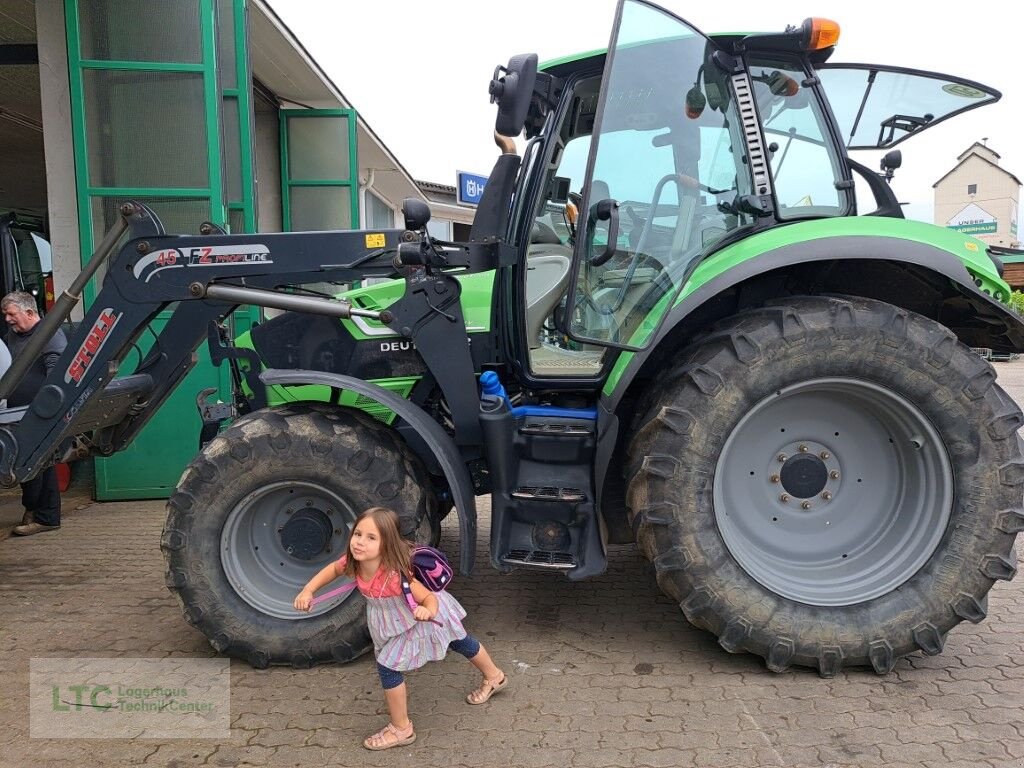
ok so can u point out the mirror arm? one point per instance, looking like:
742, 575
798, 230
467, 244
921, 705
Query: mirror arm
885, 198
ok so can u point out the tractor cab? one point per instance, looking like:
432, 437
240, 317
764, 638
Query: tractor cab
653, 157
647, 160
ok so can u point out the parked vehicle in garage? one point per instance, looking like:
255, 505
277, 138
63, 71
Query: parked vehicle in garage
26, 263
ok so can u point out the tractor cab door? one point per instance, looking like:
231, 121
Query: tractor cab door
878, 107
665, 168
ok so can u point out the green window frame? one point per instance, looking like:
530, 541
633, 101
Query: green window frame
225, 83
232, 17
288, 183
240, 95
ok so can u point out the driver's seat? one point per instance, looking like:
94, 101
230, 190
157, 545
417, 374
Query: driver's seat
548, 262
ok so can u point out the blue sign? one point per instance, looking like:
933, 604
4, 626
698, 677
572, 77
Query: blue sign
471, 188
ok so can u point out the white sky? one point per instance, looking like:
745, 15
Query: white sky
418, 71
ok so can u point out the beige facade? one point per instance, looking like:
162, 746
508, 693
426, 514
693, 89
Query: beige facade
979, 198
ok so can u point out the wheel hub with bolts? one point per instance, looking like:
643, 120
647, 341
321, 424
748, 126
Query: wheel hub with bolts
307, 533
833, 491
276, 537
803, 472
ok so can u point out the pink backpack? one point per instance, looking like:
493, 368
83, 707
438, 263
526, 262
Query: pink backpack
430, 568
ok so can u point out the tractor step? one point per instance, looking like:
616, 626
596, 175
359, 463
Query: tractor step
536, 558
556, 428
548, 493
542, 500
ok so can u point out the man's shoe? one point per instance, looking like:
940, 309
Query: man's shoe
28, 517
32, 528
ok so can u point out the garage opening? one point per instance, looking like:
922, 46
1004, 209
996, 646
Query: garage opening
25, 262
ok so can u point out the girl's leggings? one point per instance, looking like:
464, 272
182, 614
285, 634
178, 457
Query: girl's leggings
468, 646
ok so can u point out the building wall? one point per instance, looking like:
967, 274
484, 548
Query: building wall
997, 194
57, 143
268, 166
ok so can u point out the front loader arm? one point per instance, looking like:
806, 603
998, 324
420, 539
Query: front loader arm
83, 407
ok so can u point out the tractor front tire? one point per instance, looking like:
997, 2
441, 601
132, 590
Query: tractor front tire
267, 504
828, 482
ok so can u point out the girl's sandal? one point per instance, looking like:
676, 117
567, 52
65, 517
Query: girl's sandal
487, 689
389, 736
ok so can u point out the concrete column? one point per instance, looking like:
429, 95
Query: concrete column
57, 142
267, 164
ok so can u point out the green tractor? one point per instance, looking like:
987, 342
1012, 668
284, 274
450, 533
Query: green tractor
674, 323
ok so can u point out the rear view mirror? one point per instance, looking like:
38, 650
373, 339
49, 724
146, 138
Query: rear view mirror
512, 88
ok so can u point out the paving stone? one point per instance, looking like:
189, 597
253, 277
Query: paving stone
174, 754
839, 753
974, 750
927, 734
665, 758
231, 757
910, 752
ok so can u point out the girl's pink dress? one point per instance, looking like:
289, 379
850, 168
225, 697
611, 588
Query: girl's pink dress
400, 642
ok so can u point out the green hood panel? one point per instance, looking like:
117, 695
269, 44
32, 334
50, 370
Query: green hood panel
476, 306
477, 290
968, 250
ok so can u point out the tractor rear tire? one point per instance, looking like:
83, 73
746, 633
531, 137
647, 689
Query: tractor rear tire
267, 504
865, 532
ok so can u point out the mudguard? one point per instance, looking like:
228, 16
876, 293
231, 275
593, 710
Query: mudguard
833, 248
437, 440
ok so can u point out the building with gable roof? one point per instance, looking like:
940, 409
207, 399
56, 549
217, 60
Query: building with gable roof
979, 198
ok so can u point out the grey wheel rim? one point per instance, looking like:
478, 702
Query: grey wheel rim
833, 491
275, 540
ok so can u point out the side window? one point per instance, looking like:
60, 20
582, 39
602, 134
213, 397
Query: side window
560, 207
717, 171
379, 214
805, 167
440, 228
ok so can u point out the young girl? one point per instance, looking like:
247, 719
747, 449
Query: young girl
402, 639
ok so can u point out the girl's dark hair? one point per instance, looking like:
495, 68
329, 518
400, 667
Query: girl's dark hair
395, 551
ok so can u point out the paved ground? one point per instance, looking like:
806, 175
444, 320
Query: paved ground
604, 673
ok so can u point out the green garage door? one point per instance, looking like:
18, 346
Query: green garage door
161, 113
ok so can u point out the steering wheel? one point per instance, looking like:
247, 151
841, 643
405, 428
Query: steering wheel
682, 181
637, 226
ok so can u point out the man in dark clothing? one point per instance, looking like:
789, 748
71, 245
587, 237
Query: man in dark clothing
41, 495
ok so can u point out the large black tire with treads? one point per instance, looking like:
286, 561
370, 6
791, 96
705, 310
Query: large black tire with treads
828, 482
266, 505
